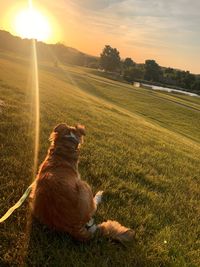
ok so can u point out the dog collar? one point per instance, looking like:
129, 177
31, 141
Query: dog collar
72, 137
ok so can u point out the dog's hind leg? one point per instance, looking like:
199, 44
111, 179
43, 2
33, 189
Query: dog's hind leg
98, 198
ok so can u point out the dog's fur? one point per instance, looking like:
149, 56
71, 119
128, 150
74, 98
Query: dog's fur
60, 199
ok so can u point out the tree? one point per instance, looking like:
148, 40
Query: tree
110, 58
128, 63
188, 80
185, 79
169, 70
153, 71
196, 86
133, 74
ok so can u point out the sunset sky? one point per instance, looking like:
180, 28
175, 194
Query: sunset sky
167, 31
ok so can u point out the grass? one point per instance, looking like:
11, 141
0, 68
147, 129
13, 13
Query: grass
142, 148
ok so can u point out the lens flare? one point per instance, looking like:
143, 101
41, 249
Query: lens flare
37, 106
30, 23
35, 88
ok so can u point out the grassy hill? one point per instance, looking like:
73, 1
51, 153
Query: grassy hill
142, 148
51, 52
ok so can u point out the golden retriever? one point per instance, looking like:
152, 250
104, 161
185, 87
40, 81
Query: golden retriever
60, 199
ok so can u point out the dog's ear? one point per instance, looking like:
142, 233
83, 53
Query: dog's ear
60, 130
80, 129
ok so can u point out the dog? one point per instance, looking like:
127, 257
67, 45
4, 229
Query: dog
61, 200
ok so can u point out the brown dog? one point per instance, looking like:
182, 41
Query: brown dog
60, 199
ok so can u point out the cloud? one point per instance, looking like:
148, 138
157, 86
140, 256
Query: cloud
158, 27
96, 4
153, 18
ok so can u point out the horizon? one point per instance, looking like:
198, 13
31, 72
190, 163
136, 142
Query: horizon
48, 43
165, 32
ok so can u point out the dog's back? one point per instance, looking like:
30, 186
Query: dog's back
61, 200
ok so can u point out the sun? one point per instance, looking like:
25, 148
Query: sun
31, 24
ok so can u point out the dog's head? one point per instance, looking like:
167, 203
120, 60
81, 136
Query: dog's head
64, 133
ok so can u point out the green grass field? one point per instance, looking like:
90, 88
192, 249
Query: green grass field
142, 148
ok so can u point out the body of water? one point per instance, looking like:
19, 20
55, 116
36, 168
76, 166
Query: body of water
169, 90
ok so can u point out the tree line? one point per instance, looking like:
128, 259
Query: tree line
150, 71
124, 69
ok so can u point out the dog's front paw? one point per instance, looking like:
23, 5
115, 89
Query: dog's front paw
98, 197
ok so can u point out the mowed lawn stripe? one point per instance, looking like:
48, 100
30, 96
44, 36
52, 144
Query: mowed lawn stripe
150, 174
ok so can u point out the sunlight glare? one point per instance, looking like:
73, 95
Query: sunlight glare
37, 107
31, 24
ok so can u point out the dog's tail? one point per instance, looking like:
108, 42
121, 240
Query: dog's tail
116, 231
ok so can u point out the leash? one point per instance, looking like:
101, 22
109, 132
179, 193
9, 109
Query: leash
17, 205
28, 190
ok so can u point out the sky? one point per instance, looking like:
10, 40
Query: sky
165, 30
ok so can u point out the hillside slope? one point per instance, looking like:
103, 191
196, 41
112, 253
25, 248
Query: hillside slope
51, 52
142, 148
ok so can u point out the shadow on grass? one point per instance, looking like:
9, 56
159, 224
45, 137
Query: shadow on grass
48, 248
147, 181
